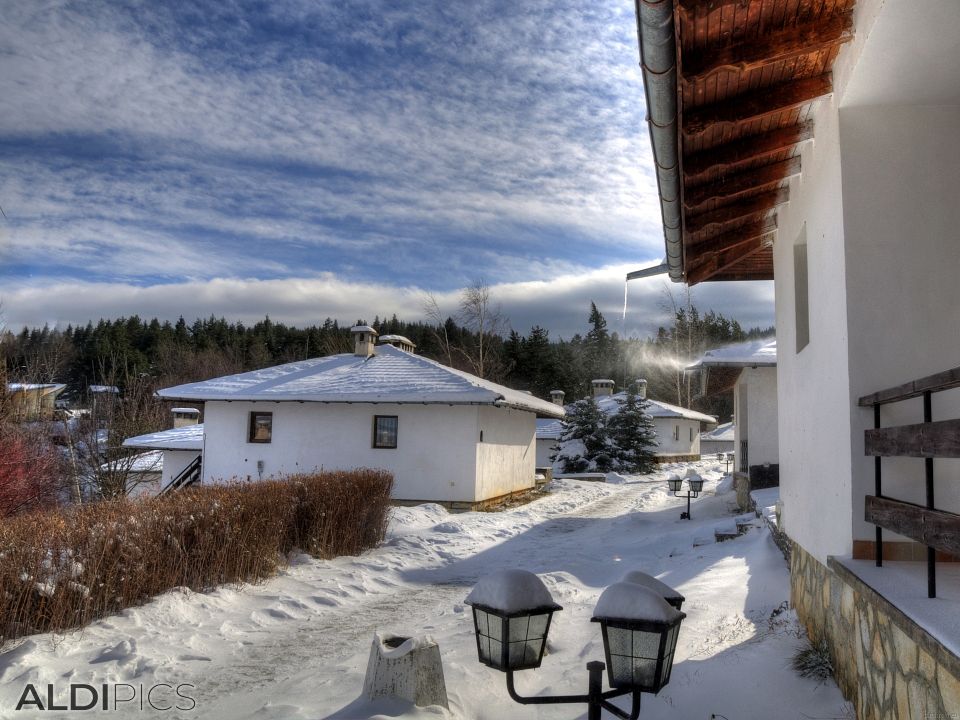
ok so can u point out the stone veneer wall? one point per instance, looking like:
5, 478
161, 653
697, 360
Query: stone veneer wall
889, 667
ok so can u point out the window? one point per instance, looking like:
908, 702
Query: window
261, 427
385, 431
691, 434
676, 432
801, 290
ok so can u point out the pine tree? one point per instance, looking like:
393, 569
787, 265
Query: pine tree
633, 434
585, 442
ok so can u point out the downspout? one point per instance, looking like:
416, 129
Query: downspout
658, 61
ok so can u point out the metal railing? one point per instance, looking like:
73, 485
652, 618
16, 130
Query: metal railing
935, 528
188, 476
742, 459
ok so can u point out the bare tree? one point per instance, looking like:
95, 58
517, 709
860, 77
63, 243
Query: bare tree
486, 320
438, 327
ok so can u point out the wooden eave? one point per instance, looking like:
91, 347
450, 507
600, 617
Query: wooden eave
748, 72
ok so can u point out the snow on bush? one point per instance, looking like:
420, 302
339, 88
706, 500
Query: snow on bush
60, 570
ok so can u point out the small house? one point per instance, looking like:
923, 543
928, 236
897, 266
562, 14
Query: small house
718, 441
33, 401
446, 436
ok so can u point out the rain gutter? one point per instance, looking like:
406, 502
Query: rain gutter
658, 62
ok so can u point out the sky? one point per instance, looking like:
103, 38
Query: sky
330, 159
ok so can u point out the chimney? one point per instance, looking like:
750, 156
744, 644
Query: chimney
364, 340
556, 397
185, 416
602, 387
642, 388
398, 341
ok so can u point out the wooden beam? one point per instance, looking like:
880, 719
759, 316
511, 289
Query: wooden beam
727, 188
741, 275
691, 8
934, 439
732, 239
724, 261
934, 528
742, 209
730, 155
757, 104
945, 380
788, 43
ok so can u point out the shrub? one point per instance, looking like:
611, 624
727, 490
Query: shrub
62, 569
813, 661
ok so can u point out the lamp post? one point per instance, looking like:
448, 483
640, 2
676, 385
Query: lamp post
675, 483
512, 610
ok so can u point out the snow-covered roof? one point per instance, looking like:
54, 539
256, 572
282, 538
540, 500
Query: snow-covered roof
754, 353
188, 437
389, 376
385, 339
103, 389
655, 408
46, 387
549, 429
145, 462
185, 410
721, 433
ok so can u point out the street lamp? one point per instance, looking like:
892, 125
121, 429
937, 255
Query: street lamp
675, 482
512, 610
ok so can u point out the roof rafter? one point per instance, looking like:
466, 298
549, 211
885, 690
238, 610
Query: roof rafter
756, 147
732, 239
729, 187
757, 104
785, 44
750, 207
724, 261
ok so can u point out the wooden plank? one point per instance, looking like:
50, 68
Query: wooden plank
725, 261
757, 104
934, 439
732, 239
756, 147
790, 43
934, 528
728, 187
690, 9
740, 276
945, 380
742, 209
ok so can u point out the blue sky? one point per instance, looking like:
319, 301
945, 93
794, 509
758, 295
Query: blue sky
306, 159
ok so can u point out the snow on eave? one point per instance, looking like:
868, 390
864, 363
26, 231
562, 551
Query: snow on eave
655, 408
188, 437
755, 353
48, 387
390, 376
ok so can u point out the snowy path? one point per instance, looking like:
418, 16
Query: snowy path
296, 647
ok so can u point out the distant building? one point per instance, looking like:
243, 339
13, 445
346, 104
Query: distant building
33, 401
718, 440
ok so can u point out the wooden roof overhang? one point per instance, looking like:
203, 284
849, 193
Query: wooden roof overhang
745, 76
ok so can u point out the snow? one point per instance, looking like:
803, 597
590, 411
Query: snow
391, 375
654, 408
549, 429
511, 591
639, 577
49, 387
754, 353
103, 389
766, 501
188, 437
296, 647
146, 462
630, 601
721, 433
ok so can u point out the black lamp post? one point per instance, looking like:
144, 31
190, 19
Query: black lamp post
512, 610
675, 483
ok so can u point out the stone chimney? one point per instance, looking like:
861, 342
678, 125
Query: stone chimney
642, 388
556, 397
364, 340
184, 416
602, 387
398, 341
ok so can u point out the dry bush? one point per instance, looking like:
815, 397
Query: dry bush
61, 570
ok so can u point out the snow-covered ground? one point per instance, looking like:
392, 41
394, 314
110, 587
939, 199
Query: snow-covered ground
297, 646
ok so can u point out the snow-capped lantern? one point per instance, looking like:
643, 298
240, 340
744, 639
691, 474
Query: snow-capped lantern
640, 632
638, 577
512, 610
696, 483
674, 482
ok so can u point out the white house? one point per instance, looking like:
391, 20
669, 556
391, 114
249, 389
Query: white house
548, 435
447, 436
859, 228
719, 440
178, 451
751, 368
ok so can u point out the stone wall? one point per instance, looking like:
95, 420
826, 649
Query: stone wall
889, 667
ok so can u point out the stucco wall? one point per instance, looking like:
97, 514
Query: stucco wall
758, 425
506, 458
174, 461
435, 458
684, 446
544, 451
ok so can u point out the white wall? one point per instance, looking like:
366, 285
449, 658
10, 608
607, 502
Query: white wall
544, 451
684, 446
174, 461
435, 458
755, 400
506, 457
712, 447
877, 204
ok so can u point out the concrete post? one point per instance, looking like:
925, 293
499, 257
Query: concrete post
405, 668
